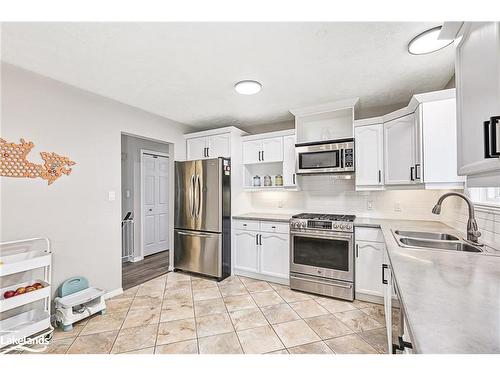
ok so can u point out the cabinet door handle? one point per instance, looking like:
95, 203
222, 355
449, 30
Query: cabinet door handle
412, 169
357, 249
384, 267
262, 155
257, 239
260, 240
490, 138
379, 176
417, 168
259, 157
293, 178
208, 155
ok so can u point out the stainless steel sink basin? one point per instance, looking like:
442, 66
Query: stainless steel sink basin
456, 246
427, 235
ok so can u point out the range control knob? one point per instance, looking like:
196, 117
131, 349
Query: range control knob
302, 225
349, 226
335, 225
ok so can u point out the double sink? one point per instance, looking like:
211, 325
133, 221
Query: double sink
433, 240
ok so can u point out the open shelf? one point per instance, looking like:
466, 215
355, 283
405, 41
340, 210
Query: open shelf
23, 325
25, 298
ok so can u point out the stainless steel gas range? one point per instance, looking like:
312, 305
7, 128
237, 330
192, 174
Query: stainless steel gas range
322, 254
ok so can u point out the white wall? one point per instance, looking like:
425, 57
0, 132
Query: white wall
74, 212
323, 194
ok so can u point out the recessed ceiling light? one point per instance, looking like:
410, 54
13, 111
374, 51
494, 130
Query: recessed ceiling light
247, 87
427, 42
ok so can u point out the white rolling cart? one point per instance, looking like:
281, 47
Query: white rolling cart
24, 257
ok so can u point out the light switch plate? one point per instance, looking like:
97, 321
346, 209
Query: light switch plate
369, 205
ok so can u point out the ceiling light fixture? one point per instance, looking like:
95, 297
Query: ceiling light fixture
427, 42
247, 87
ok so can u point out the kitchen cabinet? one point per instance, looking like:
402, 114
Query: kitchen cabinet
289, 175
262, 250
265, 150
400, 150
212, 146
369, 258
477, 75
246, 250
388, 294
369, 156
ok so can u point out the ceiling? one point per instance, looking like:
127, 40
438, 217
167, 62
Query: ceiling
186, 71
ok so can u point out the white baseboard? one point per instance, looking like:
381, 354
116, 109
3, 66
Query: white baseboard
136, 259
113, 293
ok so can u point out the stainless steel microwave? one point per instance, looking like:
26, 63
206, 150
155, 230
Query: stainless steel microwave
334, 156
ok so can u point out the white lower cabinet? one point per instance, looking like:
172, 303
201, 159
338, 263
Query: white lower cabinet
388, 293
369, 257
246, 251
263, 253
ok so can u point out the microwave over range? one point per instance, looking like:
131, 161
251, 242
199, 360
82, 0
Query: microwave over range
334, 156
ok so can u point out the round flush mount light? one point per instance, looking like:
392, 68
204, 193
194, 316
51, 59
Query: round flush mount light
427, 42
247, 87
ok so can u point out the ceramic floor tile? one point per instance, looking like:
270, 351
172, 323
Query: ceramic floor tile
135, 338
327, 326
376, 338
147, 301
258, 286
227, 343
279, 313
99, 343
179, 276
178, 285
127, 293
259, 340
181, 295
117, 305
350, 344
335, 305
216, 324
208, 293
234, 303
231, 280
182, 347
267, 298
60, 346
203, 284
247, 318
247, 280
308, 309
150, 350
59, 334
150, 290
175, 310
313, 348
281, 351
209, 306
229, 290
376, 313
142, 317
104, 323
362, 304
357, 320
177, 330
295, 333
292, 296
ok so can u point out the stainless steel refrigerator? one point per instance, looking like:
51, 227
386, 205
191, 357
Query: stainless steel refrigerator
202, 235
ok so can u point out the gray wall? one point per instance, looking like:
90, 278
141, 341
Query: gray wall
74, 212
131, 180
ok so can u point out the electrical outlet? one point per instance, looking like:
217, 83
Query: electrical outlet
397, 207
280, 204
369, 205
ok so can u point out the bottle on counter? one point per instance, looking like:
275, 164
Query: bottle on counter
256, 181
268, 180
278, 180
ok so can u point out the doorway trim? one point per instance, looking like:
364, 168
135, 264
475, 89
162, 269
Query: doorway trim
161, 154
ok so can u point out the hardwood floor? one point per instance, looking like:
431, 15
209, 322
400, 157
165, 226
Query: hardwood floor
149, 268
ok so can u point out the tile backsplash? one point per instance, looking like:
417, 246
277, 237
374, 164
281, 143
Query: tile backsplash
324, 194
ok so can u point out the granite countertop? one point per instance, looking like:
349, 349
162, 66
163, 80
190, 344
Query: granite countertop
266, 216
451, 299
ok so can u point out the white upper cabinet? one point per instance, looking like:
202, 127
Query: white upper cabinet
399, 145
477, 75
265, 150
289, 176
196, 148
219, 145
369, 154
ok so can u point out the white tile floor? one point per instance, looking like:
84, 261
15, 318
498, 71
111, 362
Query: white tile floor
178, 313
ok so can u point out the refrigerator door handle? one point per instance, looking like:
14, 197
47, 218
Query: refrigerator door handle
199, 201
191, 196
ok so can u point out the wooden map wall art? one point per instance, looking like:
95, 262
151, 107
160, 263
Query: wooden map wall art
13, 162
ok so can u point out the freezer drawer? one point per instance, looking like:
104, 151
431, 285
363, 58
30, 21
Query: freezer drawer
198, 252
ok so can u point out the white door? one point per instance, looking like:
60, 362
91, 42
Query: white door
155, 203
252, 152
369, 154
369, 259
477, 66
399, 146
246, 251
196, 148
274, 255
387, 287
289, 177
218, 145
272, 149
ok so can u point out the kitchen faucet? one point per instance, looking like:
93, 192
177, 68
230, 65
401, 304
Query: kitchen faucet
473, 233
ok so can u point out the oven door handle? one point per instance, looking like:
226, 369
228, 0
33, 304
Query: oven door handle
345, 286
